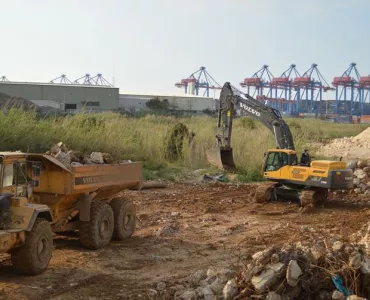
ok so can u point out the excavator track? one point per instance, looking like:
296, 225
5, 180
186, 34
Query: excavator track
265, 192
313, 197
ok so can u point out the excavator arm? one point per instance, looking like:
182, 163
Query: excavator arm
232, 99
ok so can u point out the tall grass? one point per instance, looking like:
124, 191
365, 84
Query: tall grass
144, 138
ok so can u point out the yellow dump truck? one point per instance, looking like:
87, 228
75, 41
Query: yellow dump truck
39, 196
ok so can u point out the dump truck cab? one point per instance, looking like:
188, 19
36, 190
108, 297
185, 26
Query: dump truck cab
25, 230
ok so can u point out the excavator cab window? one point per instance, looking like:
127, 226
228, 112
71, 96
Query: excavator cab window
276, 160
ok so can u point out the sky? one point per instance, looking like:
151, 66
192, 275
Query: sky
146, 46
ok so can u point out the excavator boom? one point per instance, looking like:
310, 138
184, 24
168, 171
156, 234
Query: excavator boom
232, 99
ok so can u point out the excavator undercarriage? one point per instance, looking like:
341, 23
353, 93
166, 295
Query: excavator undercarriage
306, 196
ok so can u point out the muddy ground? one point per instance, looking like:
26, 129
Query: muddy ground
181, 229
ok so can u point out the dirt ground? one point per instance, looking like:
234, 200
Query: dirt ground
181, 229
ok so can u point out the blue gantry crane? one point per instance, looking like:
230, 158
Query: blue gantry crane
199, 80
346, 92
255, 85
309, 90
364, 94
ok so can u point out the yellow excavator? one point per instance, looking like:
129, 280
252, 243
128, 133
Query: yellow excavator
286, 177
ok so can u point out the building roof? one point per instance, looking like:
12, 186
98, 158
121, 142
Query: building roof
56, 84
162, 95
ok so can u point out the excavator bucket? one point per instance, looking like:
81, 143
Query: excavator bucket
221, 158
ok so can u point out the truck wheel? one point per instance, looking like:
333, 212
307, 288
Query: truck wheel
124, 218
97, 232
34, 256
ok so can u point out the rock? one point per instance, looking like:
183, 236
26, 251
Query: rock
365, 265
108, 158
363, 187
229, 290
198, 276
366, 169
338, 295
324, 295
337, 246
361, 164
207, 293
268, 277
318, 251
161, 286
64, 158
97, 158
217, 285
355, 261
273, 296
354, 297
357, 191
352, 164
275, 258
359, 173
167, 230
152, 293
211, 273
226, 272
189, 295
262, 257
356, 181
292, 273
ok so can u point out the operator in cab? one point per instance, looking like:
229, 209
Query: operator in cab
305, 158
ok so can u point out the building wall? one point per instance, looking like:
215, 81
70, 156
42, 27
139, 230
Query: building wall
67, 96
194, 103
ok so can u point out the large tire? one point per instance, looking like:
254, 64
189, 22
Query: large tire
124, 218
97, 232
34, 256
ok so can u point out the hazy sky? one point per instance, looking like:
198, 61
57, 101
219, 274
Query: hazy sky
148, 45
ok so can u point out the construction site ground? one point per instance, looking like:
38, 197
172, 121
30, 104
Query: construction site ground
181, 229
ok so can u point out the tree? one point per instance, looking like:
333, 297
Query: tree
157, 104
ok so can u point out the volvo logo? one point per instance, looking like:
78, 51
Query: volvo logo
249, 109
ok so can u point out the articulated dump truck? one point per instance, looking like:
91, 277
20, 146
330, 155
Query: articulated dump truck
39, 196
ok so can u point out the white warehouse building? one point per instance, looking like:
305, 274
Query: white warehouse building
185, 102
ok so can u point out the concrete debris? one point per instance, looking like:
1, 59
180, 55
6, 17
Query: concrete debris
230, 290
217, 285
152, 293
161, 286
338, 295
198, 276
337, 246
268, 277
273, 296
292, 273
189, 295
207, 293
168, 230
71, 158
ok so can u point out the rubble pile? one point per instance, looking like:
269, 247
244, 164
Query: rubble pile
350, 147
361, 176
71, 158
322, 270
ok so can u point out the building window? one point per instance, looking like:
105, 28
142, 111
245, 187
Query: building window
89, 103
70, 106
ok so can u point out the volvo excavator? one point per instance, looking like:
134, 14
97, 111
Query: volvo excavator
286, 177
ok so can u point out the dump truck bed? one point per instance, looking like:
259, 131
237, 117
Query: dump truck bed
94, 177
55, 178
